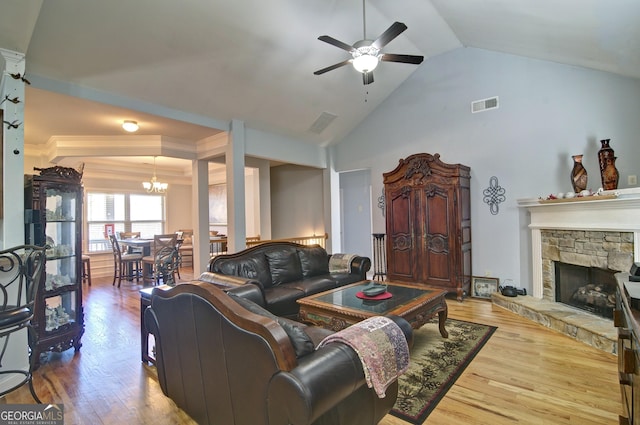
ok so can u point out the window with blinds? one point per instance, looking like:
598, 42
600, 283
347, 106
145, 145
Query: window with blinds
122, 212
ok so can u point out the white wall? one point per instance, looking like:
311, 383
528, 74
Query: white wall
296, 201
547, 113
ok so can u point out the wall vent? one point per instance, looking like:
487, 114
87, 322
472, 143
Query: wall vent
322, 122
484, 104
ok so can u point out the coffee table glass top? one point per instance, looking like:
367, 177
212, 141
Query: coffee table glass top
346, 297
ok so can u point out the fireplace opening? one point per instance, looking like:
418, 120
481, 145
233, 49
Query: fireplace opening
587, 288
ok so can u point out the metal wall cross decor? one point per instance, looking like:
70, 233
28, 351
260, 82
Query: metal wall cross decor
494, 195
381, 202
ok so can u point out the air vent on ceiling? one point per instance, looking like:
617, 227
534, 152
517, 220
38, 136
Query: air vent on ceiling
484, 104
322, 122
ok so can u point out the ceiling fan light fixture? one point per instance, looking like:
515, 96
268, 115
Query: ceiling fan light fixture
365, 58
365, 63
130, 126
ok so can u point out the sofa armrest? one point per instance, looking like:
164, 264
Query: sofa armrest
251, 291
223, 280
360, 266
240, 286
404, 326
321, 380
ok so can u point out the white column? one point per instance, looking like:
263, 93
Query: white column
200, 215
264, 175
236, 219
636, 246
536, 261
331, 195
12, 150
16, 355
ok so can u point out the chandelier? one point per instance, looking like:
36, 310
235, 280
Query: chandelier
154, 186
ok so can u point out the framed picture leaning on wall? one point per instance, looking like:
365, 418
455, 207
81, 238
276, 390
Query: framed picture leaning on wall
483, 287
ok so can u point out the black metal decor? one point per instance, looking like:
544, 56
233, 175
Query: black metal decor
379, 256
381, 202
494, 195
11, 125
15, 100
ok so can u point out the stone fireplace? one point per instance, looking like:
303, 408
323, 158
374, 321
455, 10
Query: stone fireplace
597, 234
578, 267
602, 233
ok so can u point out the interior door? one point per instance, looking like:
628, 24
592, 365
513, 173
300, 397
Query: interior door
355, 212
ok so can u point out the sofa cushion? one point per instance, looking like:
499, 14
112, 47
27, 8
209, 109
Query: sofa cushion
281, 300
284, 265
251, 267
313, 261
313, 285
301, 342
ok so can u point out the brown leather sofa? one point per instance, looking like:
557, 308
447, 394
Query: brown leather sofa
224, 364
285, 271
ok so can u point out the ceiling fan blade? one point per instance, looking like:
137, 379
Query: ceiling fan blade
367, 78
392, 32
332, 67
337, 43
391, 57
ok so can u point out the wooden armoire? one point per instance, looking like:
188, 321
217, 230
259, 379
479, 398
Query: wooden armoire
428, 220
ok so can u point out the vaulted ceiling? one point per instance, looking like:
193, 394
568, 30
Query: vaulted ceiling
203, 63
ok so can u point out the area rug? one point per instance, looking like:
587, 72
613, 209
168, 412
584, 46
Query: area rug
436, 363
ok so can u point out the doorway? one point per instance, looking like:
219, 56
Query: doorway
355, 212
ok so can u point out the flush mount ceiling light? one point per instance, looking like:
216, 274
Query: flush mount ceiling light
130, 126
154, 186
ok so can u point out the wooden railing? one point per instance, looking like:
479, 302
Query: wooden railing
219, 246
303, 240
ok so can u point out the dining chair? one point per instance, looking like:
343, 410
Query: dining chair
124, 265
21, 269
131, 235
163, 261
185, 250
86, 269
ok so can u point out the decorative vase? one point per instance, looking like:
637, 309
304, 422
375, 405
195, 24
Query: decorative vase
607, 162
610, 175
578, 174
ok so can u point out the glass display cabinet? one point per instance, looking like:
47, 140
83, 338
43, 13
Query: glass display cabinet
53, 217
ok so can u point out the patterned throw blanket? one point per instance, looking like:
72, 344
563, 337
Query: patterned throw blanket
340, 263
382, 348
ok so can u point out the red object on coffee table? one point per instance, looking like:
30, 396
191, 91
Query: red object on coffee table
383, 296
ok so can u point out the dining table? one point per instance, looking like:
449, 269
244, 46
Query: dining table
145, 244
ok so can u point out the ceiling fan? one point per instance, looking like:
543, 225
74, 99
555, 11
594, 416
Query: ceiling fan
366, 54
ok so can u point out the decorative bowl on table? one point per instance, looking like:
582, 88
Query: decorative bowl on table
373, 289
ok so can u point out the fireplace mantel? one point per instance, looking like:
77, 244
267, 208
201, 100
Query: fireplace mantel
618, 214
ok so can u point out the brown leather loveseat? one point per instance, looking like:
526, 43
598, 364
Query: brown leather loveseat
226, 365
286, 272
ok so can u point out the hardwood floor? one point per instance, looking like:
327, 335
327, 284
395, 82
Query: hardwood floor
525, 374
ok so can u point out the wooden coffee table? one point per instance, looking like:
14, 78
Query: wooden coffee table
339, 308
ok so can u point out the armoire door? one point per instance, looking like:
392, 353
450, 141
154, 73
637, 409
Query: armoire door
401, 229
438, 235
